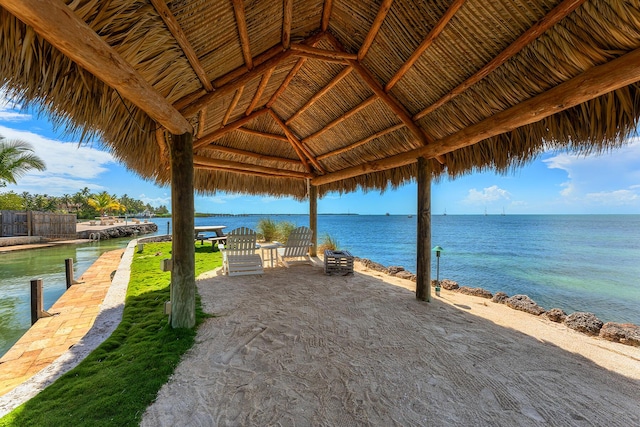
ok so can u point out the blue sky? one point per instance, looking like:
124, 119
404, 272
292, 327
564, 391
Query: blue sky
556, 183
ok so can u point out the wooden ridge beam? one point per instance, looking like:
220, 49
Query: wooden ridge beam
245, 168
428, 40
549, 20
219, 133
375, 27
263, 134
241, 23
361, 142
595, 82
174, 27
235, 151
302, 151
287, 17
341, 75
232, 106
364, 104
263, 84
61, 27
326, 14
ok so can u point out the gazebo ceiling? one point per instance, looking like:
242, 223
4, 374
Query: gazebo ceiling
339, 94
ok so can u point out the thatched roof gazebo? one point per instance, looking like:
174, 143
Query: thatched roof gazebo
303, 97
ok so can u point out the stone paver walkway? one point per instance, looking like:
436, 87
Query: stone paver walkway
73, 315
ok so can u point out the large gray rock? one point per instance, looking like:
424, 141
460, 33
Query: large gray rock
394, 269
524, 303
556, 315
476, 292
500, 297
407, 275
448, 284
584, 322
625, 333
372, 265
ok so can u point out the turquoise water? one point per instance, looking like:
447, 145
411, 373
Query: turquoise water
573, 262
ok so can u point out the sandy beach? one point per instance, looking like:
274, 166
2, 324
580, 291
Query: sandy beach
296, 347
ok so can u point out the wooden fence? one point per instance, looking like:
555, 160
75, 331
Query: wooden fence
43, 224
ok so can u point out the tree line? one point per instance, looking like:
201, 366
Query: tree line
17, 158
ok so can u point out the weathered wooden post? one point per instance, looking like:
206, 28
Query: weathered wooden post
183, 280
313, 219
68, 267
423, 273
37, 304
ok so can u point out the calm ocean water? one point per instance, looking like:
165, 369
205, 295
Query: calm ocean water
573, 262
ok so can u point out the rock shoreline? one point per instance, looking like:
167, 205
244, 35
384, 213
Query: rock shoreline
586, 323
118, 231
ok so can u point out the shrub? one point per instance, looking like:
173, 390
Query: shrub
328, 242
267, 229
284, 230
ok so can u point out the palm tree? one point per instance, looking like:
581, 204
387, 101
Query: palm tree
16, 159
103, 202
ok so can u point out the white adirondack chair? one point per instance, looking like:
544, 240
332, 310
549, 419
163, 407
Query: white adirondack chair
297, 247
239, 255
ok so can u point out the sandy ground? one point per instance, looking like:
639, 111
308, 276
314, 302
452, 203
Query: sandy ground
296, 347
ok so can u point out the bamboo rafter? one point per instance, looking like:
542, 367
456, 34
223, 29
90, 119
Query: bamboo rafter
232, 106
302, 151
227, 165
355, 110
263, 134
219, 133
259, 156
241, 24
553, 17
202, 117
337, 79
263, 84
240, 71
428, 40
361, 142
327, 55
175, 29
326, 14
375, 27
286, 82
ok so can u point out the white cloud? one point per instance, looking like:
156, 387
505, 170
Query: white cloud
69, 166
488, 194
156, 201
222, 199
609, 179
9, 110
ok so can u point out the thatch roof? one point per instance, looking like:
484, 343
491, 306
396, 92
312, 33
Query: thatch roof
342, 94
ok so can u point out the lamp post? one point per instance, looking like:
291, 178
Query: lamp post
437, 250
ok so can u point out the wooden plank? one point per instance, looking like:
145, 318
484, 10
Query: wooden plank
287, 17
428, 40
594, 82
263, 84
202, 118
174, 27
375, 27
345, 72
219, 133
61, 27
364, 104
554, 16
241, 23
232, 106
246, 167
326, 14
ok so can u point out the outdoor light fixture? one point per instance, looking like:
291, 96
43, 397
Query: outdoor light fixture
437, 250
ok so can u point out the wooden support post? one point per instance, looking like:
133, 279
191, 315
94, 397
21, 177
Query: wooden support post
183, 281
37, 304
313, 219
423, 282
68, 268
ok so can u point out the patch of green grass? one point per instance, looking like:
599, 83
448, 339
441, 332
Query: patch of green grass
114, 385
